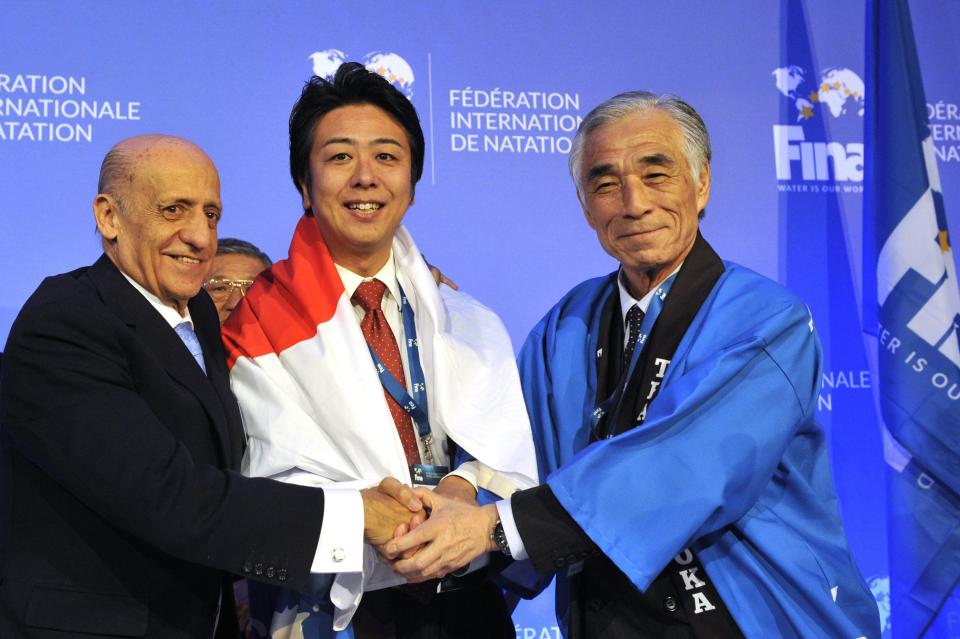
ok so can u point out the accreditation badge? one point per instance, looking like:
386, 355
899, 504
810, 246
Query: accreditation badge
427, 474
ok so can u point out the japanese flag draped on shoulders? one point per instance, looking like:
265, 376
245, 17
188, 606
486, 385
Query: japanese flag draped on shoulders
312, 402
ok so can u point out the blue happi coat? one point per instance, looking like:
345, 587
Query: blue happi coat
730, 460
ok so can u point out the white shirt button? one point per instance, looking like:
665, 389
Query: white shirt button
338, 554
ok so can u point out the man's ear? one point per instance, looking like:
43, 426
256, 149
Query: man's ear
703, 191
106, 213
305, 195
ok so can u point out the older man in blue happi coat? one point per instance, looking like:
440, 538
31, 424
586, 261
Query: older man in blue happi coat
687, 487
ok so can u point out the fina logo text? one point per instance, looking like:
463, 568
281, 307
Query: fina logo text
391, 66
838, 92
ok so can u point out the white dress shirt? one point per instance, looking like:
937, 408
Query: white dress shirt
343, 507
168, 313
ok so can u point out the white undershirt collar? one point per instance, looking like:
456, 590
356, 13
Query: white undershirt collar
168, 313
387, 275
627, 300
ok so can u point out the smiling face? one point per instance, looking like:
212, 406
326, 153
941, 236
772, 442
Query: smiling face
165, 234
359, 184
638, 195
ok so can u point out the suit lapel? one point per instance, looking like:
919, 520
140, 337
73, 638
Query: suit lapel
207, 326
132, 308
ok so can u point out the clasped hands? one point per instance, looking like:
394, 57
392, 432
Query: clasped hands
427, 534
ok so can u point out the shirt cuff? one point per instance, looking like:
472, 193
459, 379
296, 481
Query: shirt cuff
505, 512
468, 471
340, 548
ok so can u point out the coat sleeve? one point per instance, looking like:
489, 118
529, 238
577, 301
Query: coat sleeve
551, 537
712, 442
72, 406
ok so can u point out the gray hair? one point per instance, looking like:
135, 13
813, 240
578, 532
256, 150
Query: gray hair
233, 246
115, 170
696, 140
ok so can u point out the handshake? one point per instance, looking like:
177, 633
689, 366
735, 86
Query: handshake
426, 534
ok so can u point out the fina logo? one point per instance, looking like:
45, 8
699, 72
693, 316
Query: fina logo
839, 92
389, 65
937, 321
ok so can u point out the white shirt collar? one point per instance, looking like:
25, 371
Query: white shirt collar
168, 313
627, 300
387, 275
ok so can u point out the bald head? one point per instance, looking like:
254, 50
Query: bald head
119, 164
157, 212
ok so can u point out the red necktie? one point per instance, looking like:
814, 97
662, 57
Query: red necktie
376, 331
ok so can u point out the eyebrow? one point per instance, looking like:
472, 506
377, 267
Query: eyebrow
346, 140
166, 199
598, 170
657, 158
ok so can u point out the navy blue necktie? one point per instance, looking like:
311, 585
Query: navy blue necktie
634, 319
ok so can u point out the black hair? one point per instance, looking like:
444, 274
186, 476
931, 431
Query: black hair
352, 84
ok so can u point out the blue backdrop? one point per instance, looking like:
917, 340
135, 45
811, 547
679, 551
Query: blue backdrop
500, 87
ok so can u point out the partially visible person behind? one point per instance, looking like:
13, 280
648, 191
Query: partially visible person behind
235, 266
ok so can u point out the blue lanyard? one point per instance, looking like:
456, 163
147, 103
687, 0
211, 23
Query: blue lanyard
415, 406
649, 319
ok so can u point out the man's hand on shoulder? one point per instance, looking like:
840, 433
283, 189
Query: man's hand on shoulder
438, 276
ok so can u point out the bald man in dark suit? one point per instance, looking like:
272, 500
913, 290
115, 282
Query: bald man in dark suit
120, 511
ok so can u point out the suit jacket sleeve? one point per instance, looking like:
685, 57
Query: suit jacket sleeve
551, 537
72, 405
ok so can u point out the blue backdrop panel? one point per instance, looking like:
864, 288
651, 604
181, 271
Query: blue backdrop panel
499, 87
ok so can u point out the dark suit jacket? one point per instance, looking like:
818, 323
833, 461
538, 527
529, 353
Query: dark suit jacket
120, 511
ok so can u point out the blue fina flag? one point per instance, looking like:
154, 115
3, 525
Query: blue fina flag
912, 304
816, 263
